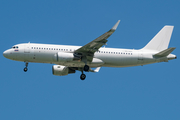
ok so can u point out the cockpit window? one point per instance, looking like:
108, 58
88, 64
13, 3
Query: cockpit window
15, 47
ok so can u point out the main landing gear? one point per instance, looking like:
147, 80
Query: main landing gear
25, 69
86, 69
83, 76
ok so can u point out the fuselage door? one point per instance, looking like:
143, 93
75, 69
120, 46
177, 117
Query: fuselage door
27, 48
140, 57
27, 52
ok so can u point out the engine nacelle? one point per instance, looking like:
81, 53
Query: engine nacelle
60, 70
65, 57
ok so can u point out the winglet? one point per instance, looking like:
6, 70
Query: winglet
115, 26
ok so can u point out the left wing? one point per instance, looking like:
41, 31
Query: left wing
87, 51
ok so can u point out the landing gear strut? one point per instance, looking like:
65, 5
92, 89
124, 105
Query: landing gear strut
25, 69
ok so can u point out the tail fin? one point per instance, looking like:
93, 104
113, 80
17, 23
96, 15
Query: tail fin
161, 40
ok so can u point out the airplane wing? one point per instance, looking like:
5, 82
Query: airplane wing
87, 51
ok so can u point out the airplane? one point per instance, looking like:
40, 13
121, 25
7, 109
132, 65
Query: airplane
69, 59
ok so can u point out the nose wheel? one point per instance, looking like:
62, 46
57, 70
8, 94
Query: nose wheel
25, 69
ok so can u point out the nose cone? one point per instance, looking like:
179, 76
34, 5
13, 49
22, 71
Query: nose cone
5, 54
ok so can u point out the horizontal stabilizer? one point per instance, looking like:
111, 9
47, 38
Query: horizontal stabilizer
165, 52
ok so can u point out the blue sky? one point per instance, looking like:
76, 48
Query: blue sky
148, 92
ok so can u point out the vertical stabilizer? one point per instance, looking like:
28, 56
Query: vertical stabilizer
161, 40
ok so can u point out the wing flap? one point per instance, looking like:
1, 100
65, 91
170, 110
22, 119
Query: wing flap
96, 70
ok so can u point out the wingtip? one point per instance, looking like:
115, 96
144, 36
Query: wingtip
115, 26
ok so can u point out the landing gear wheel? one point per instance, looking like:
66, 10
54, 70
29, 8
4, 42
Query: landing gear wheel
83, 76
25, 69
86, 68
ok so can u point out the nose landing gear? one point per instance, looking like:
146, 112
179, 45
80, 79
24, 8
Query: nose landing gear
25, 69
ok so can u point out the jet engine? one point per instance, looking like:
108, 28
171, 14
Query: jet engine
65, 57
60, 70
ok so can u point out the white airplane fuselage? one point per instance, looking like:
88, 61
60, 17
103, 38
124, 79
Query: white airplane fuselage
69, 59
107, 57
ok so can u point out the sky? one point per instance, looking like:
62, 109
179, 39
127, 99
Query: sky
142, 92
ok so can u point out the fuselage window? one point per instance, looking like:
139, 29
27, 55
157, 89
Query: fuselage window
61, 49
